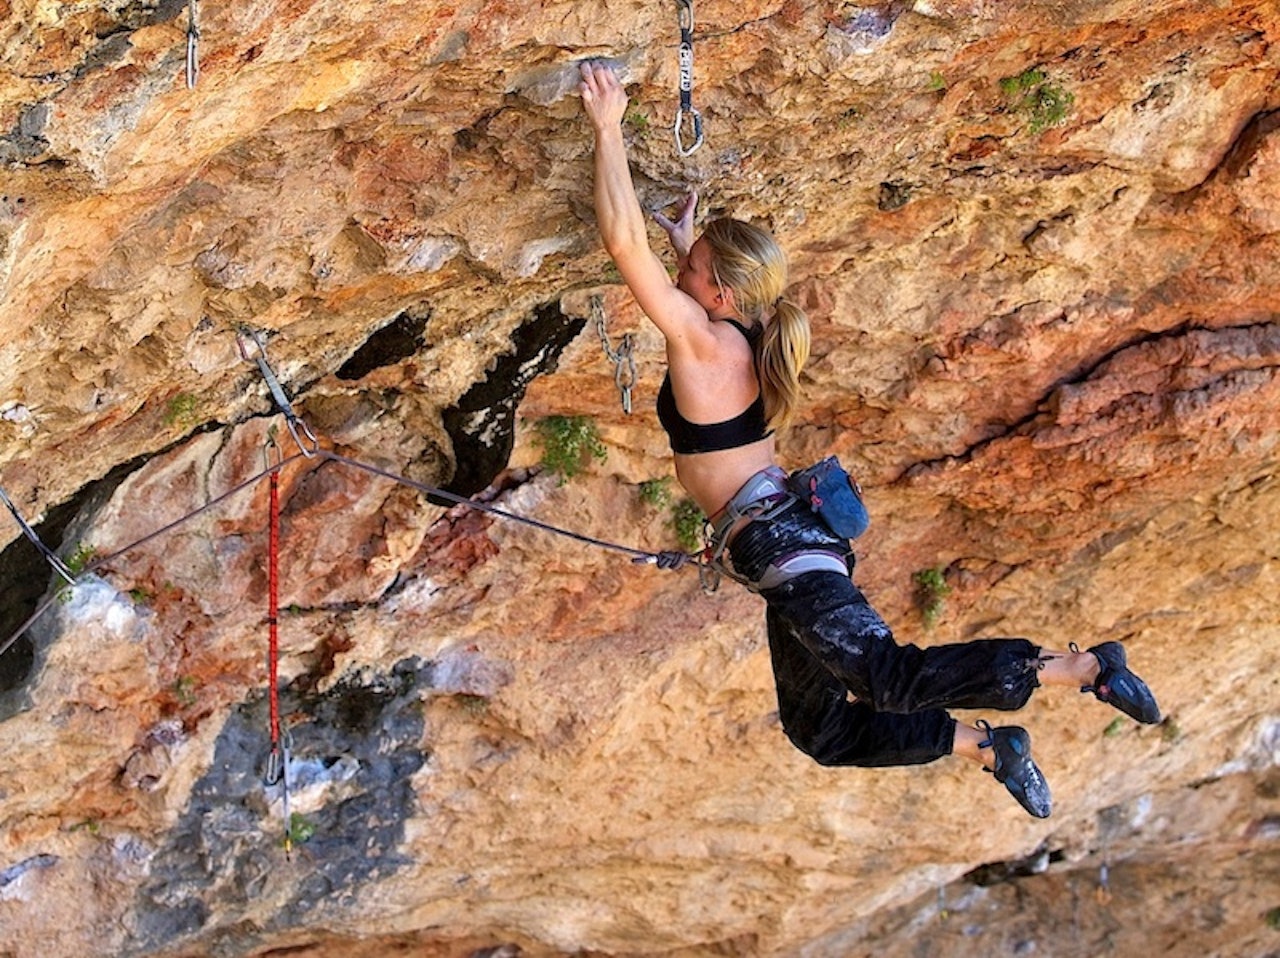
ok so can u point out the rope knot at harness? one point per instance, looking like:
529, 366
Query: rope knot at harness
670, 560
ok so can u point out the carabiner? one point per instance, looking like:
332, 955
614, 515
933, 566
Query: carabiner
696, 119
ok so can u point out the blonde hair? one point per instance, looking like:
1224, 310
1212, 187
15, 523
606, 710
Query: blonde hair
749, 261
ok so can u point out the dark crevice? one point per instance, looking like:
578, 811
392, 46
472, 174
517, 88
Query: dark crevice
25, 576
393, 343
144, 13
994, 873
482, 424
894, 195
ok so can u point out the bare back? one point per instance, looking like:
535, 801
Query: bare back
710, 390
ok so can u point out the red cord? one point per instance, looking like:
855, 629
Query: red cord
273, 608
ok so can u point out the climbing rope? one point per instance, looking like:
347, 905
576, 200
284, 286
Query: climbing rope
663, 560
278, 759
623, 358
686, 109
311, 449
193, 43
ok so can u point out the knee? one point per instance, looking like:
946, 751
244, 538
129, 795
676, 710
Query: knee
811, 744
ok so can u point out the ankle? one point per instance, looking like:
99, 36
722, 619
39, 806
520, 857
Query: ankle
967, 744
1069, 668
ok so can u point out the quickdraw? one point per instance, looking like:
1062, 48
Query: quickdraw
686, 84
297, 427
193, 43
623, 358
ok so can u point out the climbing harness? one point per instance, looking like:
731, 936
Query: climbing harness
50, 556
686, 109
278, 759
623, 359
296, 425
764, 497
193, 42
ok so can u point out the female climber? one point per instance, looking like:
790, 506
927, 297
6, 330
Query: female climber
735, 347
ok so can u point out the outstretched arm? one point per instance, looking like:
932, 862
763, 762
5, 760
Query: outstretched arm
682, 321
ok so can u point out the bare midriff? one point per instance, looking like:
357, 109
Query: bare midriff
712, 478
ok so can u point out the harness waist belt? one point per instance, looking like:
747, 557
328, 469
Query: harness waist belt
767, 487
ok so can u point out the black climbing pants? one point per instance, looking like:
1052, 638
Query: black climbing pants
827, 643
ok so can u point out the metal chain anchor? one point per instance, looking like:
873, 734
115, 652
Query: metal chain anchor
686, 84
623, 358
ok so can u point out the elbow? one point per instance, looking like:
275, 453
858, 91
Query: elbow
623, 244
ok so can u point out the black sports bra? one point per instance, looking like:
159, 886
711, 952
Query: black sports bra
688, 438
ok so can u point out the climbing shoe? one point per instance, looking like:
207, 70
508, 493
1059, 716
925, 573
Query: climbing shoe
1011, 748
1117, 686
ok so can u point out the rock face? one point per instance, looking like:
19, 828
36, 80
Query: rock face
1038, 243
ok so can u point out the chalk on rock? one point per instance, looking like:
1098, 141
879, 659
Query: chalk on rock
552, 82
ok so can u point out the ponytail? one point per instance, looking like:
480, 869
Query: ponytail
749, 261
783, 351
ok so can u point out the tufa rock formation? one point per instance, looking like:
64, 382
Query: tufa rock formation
1038, 243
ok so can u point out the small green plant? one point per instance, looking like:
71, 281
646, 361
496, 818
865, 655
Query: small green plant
937, 82
90, 825
1114, 727
656, 492
638, 121
567, 443
301, 830
140, 596
184, 690
80, 558
1273, 918
181, 411
931, 594
77, 562
687, 520
1170, 731
1032, 95
1026, 80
